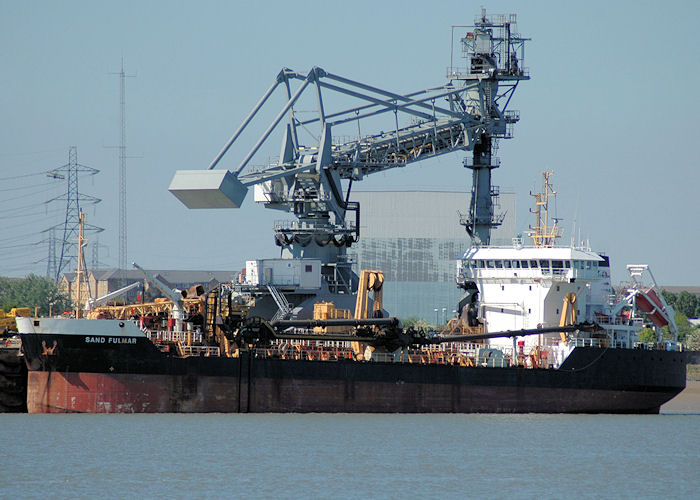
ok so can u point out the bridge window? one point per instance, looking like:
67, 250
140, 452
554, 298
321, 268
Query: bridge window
523, 264
544, 264
499, 264
516, 264
567, 264
480, 264
557, 264
533, 264
490, 264
506, 264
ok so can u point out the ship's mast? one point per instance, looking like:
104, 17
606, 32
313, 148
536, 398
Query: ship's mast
544, 234
82, 242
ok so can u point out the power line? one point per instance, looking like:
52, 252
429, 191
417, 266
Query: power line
22, 245
26, 187
22, 207
22, 255
21, 176
32, 214
22, 236
28, 194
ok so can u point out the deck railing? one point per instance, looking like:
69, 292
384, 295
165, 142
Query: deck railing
193, 337
462, 354
454, 353
197, 350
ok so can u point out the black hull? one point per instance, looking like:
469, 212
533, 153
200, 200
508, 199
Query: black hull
139, 378
13, 382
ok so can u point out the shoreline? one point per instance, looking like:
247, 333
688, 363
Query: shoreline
688, 401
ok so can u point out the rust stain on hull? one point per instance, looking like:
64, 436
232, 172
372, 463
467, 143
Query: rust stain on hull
131, 393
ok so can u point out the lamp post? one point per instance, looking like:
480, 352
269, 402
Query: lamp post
436, 316
444, 315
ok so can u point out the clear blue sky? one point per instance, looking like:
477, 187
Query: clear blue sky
612, 108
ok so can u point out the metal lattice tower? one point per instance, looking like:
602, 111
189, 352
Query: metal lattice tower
51, 263
95, 262
122, 171
67, 259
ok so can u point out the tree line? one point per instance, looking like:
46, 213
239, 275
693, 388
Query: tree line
33, 291
685, 303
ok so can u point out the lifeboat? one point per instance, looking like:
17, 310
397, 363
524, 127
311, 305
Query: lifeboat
650, 304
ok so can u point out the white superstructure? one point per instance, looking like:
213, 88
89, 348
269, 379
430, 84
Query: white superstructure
73, 326
525, 287
303, 273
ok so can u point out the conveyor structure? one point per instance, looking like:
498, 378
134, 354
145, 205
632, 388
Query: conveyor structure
313, 182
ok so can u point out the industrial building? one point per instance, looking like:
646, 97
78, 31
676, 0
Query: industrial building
415, 238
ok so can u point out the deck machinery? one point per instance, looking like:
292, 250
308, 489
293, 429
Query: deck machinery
313, 182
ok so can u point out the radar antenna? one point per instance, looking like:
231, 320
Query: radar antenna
544, 234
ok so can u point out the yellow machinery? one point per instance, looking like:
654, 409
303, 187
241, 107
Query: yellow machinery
215, 310
7, 320
568, 312
370, 280
327, 310
192, 306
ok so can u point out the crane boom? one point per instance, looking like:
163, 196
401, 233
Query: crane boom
178, 312
469, 112
90, 303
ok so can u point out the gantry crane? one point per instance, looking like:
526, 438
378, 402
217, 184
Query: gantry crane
469, 112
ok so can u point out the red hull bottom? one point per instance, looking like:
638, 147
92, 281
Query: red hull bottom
53, 392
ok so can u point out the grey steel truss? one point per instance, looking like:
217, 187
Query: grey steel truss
466, 113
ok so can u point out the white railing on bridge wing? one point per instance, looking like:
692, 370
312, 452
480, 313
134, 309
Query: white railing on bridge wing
183, 337
197, 350
590, 342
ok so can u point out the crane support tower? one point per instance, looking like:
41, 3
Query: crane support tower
313, 180
495, 55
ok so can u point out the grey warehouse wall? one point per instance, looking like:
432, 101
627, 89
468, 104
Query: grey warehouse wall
415, 238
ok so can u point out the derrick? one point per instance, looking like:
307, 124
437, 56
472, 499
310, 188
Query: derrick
312, 179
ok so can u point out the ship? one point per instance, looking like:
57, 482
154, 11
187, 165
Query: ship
535, 331
112, 366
